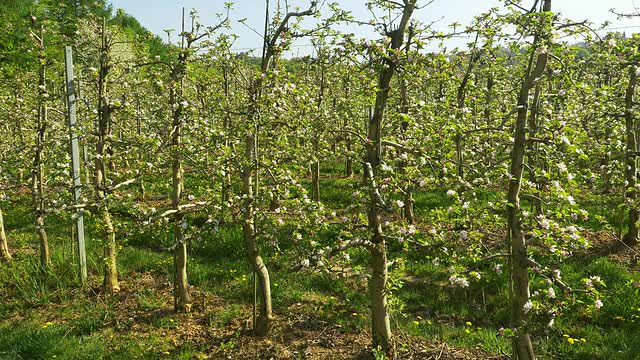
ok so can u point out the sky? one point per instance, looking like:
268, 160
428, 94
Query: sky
158, 15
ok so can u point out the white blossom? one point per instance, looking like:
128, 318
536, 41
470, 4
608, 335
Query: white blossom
544, 223
551, 293
498, 269
598, 304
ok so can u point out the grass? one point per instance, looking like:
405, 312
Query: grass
48, 314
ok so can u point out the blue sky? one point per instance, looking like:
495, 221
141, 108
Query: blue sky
158, 15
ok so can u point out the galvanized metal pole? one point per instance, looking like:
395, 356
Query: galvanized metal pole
75, 159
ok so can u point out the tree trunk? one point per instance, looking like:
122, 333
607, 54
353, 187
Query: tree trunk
5, 255
101, 182
460, 97
631, 237
226, 177
264, 321
349, 161
533, 153
315, 173
111, 284
519, 273
407, 211
380, 328
37, 185
182, 300
380, 324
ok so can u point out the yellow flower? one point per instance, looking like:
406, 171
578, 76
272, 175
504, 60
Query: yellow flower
468, 323
583, 340
571, 340
415, 322
355, 314
466, 331
429, 322
565, 335
419, 317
